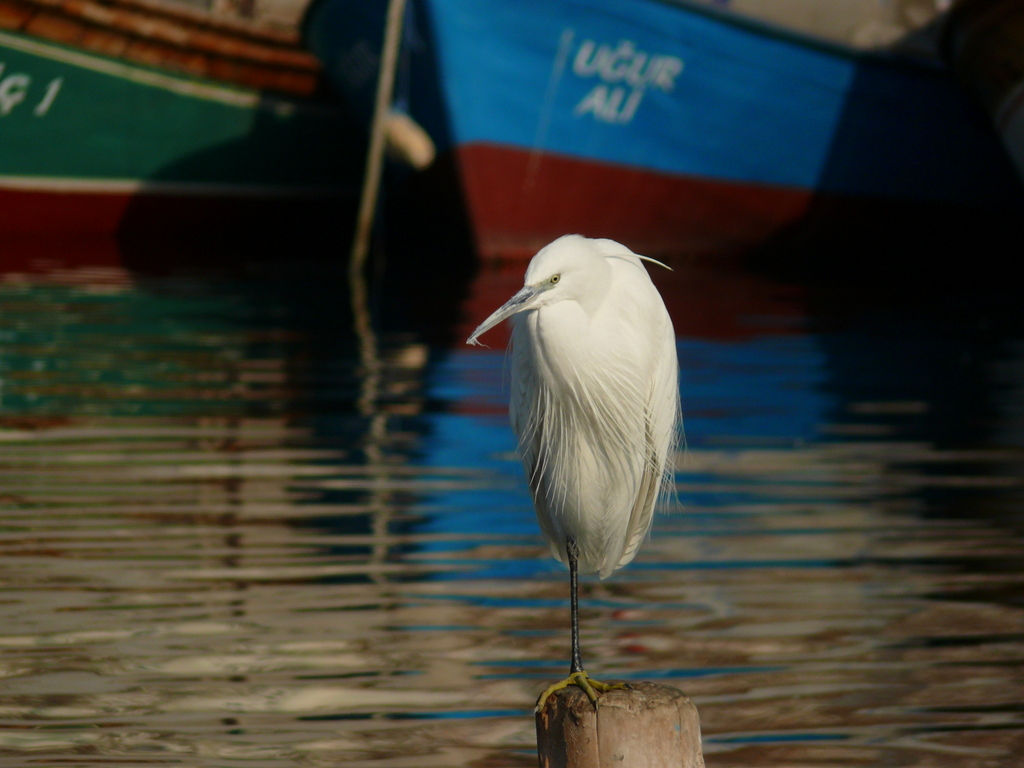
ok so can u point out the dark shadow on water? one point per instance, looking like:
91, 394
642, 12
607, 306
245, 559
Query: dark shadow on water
922, 336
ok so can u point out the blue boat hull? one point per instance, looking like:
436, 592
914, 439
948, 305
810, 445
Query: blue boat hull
663, 124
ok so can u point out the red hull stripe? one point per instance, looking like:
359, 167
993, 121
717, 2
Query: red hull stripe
519, 202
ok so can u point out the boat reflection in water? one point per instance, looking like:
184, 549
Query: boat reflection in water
235, 531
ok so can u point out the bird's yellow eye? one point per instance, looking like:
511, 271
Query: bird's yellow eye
555, 279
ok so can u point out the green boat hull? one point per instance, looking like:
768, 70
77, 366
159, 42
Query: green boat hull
86, 137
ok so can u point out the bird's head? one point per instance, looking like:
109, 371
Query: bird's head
570, 268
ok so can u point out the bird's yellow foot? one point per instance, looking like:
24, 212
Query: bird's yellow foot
581, 679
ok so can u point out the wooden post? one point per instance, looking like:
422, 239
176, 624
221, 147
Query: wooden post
644, 726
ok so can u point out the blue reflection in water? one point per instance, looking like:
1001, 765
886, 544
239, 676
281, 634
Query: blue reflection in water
766, 389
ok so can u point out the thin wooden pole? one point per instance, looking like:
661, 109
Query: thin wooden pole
359, 292
644, 726
358, 289
378, 135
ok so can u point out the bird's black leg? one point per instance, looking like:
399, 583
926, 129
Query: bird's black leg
572, 550
576, 676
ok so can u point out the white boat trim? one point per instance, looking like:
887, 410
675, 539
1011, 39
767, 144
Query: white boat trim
71, 185
230, 96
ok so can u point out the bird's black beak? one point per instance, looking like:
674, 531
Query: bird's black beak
522, 301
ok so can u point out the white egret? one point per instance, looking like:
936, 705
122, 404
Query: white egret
595, 405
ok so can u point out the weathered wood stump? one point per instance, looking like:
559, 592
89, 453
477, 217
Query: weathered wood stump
644, 726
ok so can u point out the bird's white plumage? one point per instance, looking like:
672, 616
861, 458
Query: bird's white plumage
594, 399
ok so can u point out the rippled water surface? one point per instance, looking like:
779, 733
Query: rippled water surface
239, 529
